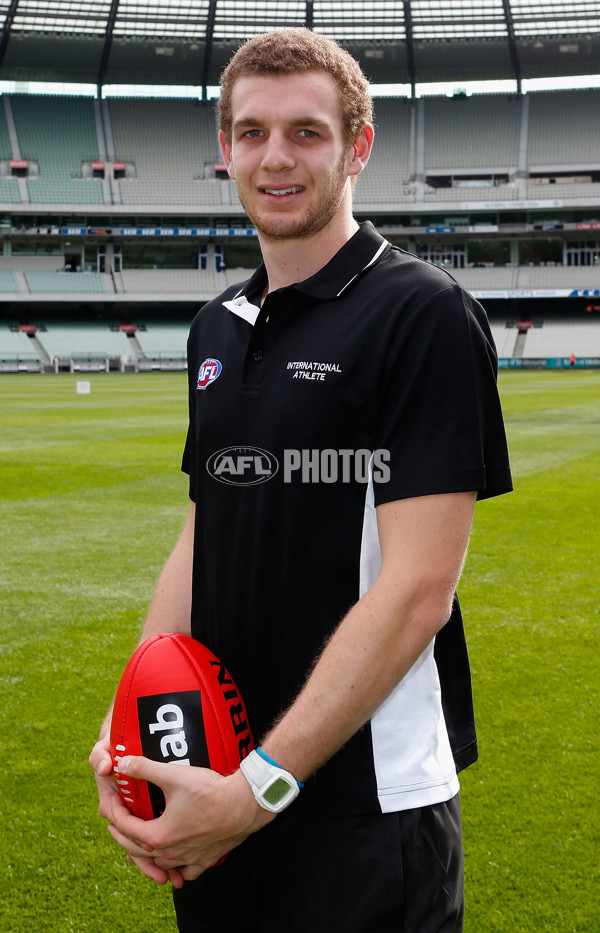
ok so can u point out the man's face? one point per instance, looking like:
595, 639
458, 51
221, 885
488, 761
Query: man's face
288, 154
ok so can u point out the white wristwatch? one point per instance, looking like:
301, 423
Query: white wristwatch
274, 787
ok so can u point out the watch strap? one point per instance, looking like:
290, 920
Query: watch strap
276, 764
255, 769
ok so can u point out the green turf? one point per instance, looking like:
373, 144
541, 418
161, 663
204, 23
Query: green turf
91, 502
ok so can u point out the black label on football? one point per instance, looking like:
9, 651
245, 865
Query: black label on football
172, 730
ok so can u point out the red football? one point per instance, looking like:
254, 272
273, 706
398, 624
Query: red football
176, 703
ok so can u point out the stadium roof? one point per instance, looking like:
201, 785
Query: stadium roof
189, 41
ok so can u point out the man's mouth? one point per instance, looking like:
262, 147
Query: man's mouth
280, 192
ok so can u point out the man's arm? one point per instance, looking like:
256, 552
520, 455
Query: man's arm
423, 543
169, 611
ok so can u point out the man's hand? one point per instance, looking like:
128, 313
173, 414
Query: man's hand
206, 816
110, 802
101, 763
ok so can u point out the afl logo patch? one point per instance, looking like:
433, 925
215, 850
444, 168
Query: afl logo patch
208, 372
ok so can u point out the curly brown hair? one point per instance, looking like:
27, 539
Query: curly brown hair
288, 51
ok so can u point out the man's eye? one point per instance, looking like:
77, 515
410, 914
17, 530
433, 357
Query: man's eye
308, 134
252, 134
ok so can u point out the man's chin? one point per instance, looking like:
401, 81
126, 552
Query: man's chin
290, 228
279, 228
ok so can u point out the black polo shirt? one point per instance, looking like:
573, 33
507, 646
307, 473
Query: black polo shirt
373, 380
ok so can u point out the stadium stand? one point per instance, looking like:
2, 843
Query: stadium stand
584, 277
476, 133
504, 338
467, 193
172, 144
8, 281
161, 340
447, 167
169, 150
564, 190
564, 129
391, 169
168, 281
45, 281
59, 134
563, 337
83, 341
9, 189
14, 344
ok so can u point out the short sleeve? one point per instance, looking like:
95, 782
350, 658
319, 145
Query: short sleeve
440, 418
189, 452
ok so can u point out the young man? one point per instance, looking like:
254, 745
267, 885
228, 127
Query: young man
360, 383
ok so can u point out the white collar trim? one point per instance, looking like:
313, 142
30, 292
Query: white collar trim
371, 262
242, 307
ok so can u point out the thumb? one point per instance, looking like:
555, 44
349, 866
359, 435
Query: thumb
146, 770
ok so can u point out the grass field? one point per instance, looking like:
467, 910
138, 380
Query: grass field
91, 503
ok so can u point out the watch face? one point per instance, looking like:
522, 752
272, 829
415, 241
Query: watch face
276, 792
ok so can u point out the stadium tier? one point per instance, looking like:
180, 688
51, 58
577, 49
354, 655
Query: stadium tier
477, 133
56, 136
164, 153
171, 146
61, 346
119, 210
200, 285
563, 129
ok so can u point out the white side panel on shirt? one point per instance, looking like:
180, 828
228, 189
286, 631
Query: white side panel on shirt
414, 766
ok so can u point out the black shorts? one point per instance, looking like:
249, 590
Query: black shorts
384, 873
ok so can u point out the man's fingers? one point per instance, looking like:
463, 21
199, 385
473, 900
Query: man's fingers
148, 867
133, 846
146, 770
100, 760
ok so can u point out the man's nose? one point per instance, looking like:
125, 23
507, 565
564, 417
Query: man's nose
278, 153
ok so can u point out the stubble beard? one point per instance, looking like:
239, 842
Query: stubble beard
308, 224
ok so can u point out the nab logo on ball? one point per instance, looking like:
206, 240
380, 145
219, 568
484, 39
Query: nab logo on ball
208, 372
242, 466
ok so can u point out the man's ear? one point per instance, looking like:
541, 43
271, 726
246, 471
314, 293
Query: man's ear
226, 150
360, 150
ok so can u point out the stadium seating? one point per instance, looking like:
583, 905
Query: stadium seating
82, 341
578, 190
558, 277
389, 174
15, 345
527, 277
9, 189
59, 134
170, 147
466, 193
6, 151
563, 337
169, 142
173, 281
8, 281
483, 279
564, 128
504, 338
45, 281
478, 133
163, 340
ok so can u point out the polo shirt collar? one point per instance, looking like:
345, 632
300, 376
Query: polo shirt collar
362, 250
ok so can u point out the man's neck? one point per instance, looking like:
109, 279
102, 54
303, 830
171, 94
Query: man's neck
290, 261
